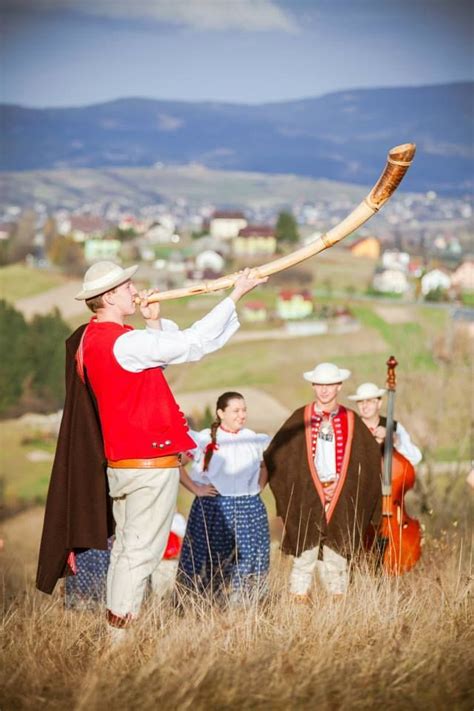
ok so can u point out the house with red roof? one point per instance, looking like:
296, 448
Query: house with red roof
225, 224
294, 304
255, 241
83, 227
254, 312
365, 247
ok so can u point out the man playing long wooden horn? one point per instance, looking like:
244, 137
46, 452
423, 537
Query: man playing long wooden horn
324, 471
142, 428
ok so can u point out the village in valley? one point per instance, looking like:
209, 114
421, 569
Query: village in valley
404, 283
420, 251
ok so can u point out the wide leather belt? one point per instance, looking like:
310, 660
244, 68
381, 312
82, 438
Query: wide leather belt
168, 462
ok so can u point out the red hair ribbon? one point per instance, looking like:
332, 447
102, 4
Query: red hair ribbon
212, 447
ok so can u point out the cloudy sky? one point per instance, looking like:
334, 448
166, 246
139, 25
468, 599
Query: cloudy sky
76, 52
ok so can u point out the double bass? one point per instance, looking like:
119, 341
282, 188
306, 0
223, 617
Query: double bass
399, 536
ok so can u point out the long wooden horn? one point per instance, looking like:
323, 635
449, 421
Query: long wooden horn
398, 161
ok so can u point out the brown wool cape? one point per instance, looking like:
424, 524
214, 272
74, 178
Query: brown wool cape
298, 492
78, 508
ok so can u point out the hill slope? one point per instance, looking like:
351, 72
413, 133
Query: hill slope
339, 136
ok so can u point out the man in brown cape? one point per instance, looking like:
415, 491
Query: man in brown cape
324, 470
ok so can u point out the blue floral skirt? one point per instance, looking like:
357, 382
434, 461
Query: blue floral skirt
227, 542
88, 586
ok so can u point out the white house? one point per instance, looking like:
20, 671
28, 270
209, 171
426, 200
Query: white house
435, 279
162, 231
209, 259
390, 281
393, 259
82, 227
226, 225
97, 249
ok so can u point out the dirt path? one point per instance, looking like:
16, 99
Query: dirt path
21, 537
266, 414
61, 297
395, 314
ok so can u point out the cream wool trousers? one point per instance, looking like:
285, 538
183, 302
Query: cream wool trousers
144, 502
332, 572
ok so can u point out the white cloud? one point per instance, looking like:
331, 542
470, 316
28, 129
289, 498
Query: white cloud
211, 15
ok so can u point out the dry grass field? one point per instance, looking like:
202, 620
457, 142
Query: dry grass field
391, 643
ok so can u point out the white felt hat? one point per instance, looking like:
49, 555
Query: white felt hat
326, 374
367, 391
102, 277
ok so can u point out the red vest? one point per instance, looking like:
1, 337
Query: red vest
139, 416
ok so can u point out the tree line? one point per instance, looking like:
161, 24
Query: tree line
32, 362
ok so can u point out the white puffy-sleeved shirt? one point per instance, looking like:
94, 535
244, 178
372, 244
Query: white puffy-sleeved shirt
235, 466
406, 447
139, 349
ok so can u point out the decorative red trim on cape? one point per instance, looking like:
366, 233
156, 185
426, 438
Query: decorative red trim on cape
312, 467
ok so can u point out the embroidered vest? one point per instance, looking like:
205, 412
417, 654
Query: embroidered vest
139, 416
339, 424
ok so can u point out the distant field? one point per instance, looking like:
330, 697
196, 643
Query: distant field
18, 281
338, 270
143, 186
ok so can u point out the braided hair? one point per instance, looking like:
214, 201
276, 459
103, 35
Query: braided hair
221, 404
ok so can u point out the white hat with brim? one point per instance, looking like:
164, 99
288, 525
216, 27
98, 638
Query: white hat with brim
327, 374
367, 391
102, 277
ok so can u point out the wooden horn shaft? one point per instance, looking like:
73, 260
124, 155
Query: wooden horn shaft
398, 161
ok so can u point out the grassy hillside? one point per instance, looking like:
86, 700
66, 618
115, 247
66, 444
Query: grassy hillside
418, 335
17, 281
142, 186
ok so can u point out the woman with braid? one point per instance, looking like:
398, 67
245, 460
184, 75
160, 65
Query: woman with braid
227, 541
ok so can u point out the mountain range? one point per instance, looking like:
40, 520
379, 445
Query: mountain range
342, 136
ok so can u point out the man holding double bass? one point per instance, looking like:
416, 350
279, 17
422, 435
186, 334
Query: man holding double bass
368, 397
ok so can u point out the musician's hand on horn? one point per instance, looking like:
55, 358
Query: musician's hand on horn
245, 283
150, 311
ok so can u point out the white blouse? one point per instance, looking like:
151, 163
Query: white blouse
235, 466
